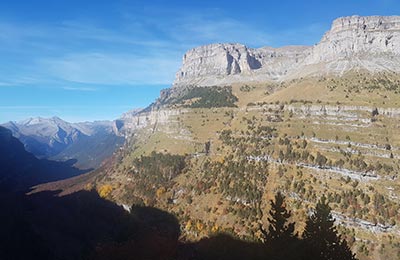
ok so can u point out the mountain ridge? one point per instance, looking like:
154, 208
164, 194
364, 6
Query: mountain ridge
368, 43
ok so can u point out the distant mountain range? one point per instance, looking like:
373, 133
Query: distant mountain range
87, 143
21, 169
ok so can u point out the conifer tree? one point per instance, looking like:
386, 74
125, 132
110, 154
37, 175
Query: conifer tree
321, 237
279, 230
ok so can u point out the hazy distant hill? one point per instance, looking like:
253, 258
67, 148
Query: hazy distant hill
20, 169
89, 143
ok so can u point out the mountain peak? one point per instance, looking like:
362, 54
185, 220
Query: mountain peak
56, 118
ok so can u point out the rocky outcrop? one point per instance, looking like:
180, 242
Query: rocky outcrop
165, 120
369, 43
359, 35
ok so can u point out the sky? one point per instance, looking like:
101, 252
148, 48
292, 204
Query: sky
94, 60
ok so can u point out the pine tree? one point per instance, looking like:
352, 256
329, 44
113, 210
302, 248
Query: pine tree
321, 237
279, 230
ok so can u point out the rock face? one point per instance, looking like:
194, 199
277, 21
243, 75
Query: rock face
371, 43
218, 64
158, 118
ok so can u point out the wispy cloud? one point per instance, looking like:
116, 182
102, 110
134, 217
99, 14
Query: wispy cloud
111, 68
200, 28
139, 50
17, 80
84, 53
5, 84
25, 107
80, 89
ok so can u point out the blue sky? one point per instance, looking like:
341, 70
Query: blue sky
93, 60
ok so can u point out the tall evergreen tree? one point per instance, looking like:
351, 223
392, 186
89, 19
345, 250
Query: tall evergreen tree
279, 230
321, 237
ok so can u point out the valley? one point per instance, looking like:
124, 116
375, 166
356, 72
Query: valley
238, 127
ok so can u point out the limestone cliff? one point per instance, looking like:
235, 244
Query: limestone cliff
370, 43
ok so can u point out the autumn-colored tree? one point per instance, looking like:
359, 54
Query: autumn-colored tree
105, 190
